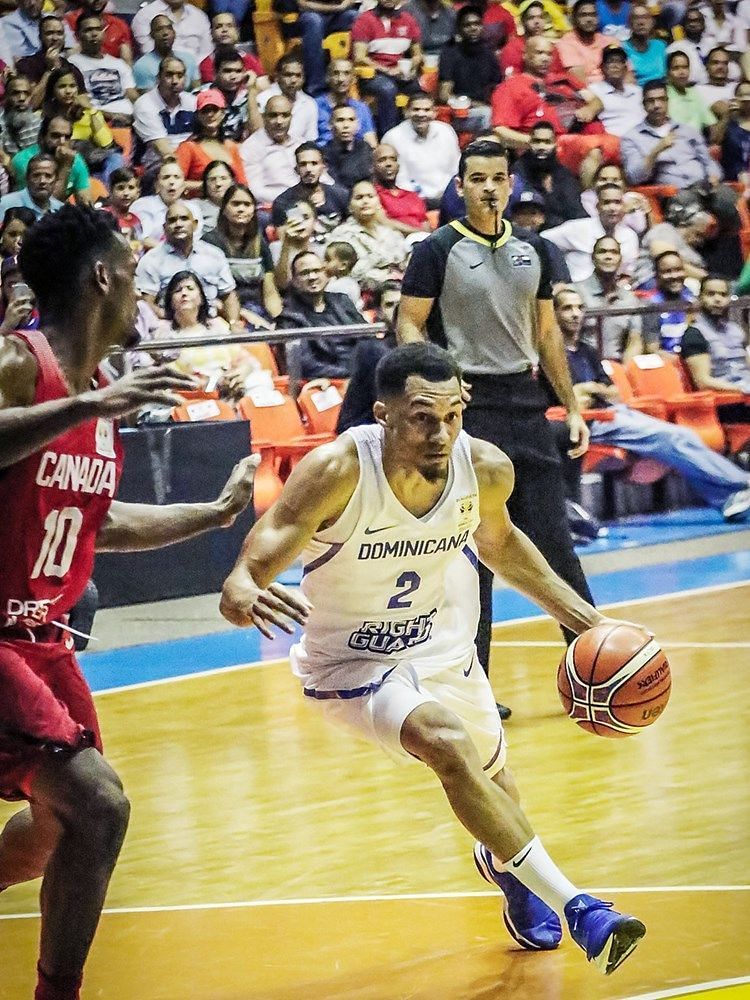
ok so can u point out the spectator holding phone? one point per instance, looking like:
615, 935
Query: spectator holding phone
17, 306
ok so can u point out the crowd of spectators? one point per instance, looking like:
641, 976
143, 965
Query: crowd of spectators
258, 196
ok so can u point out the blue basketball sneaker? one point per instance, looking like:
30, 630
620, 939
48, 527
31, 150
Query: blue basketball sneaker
607, 937
530, 921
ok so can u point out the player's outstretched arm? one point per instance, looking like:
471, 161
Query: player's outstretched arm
511, 555
313, 497
26, 427
133, 527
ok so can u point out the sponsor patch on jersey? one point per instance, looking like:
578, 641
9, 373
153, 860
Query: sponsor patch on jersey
388, 638
105, 438
520, 260
465, 507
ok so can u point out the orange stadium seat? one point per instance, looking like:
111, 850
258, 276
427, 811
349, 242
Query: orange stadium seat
275, 421
206, 408
320, 406
653, 375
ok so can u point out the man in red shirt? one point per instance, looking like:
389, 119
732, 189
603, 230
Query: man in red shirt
118, 40
534, 23
387, 46
405, 209
524, 99
224, 32
61, 462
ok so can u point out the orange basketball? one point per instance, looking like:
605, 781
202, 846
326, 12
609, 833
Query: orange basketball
614, 680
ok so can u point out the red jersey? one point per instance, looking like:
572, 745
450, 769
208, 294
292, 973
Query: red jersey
251, 63
53, 504
116, 32
388, 38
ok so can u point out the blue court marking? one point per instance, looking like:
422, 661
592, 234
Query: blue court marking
182, 657
653, 529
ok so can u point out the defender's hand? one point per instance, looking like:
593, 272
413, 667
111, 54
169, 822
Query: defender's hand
238, 491
147, 385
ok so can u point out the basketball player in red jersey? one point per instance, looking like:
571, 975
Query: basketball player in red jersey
60, 462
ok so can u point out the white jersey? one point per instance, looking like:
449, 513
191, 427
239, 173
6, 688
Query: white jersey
387, 586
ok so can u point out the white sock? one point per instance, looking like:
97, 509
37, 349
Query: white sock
535, 869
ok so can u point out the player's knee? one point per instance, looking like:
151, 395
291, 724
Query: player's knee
102, 812
446, 747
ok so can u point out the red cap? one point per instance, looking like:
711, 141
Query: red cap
210, 98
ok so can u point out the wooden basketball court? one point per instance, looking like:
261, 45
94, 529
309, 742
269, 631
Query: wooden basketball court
269, 858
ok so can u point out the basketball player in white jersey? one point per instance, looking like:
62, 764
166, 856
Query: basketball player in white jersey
390, 521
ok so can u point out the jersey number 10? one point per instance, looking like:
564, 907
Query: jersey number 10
61, 528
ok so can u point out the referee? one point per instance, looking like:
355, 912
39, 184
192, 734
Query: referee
475, 288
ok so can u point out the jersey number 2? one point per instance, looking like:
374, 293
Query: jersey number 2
61, 528
410, 581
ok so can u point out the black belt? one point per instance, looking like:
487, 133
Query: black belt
35, 633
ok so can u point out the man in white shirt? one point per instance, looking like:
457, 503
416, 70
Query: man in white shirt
718, 91
290, 78
163, 117
577, 237
428, 150
622, 103
268, 154
109, 81
169, 187
181, 251
192, 27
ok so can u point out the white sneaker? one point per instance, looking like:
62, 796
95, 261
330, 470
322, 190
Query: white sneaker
737, 504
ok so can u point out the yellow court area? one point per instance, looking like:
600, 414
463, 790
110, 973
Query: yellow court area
271, 858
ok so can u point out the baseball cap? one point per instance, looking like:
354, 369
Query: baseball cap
210, 98
528, 198
613, 52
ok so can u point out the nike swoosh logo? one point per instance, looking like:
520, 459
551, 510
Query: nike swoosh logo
472, 266
467, 672
517, 864
374, 531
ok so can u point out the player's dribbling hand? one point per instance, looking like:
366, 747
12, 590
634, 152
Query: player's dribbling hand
238, 491
243, 603
159, 385
605, 620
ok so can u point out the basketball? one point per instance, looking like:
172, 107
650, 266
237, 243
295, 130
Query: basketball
614, 680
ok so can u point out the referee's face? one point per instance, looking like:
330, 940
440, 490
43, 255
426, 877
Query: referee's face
423, 424
485, 187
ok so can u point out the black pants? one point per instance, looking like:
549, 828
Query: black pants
508, 411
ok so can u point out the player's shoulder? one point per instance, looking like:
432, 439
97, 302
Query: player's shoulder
333, 467
492, 467
18, 372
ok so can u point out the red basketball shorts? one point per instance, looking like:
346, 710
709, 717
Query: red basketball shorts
46, 708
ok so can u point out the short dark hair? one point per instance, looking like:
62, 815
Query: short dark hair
419, 95
582, 3
308, 147
121, 175
226, 54
480, 147
671, 56
298, 257
73, 238
715, 277
606, 236
666, 253
542, 126
343, 251
174, 281
717, 48
293, 58
429, 361
170, 58
468, 11
87, 15
603, 166
44, 127
41, 158
20, 213
389, 285
659, 84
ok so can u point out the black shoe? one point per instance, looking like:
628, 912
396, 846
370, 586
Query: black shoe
504, 712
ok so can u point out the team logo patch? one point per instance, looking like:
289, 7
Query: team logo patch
520, 260
105, 438
465, 510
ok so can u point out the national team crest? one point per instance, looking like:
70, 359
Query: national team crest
465, 510
105, 438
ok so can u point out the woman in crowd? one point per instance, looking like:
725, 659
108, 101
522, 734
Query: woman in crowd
187, 315
207, 143
382, 252
13, 229
91, 137
238, 235
17, 308
217, 177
